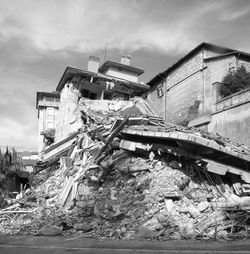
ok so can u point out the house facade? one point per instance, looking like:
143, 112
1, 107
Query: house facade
187, 92
110, 81
47, 104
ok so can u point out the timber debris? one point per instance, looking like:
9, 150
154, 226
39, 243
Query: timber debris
126, 174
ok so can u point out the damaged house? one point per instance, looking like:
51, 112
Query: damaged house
118, 170
47, 104
188, 92
110, 82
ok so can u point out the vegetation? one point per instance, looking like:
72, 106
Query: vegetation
235, 81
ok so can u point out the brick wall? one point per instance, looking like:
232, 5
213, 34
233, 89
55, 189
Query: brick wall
158, 103
185, 70
232, 118
183, 88
182, 96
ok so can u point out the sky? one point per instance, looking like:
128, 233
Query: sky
39, 38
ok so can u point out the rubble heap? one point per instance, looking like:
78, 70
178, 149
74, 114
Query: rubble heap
115, 178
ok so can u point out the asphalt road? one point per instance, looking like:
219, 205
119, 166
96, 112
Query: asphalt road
56, 245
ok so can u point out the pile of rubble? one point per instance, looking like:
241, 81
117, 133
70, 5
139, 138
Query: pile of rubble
102, 181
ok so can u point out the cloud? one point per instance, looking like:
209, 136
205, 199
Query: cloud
86, 26
14, 134
235, 10
38, 39
17, 109
232, 15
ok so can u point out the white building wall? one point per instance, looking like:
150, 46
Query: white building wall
122, 74
48, 117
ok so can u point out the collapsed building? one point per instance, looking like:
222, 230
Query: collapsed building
13, 175
117, 170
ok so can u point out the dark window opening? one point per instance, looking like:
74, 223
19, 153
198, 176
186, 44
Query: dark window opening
49, 98
87, 94
160, 90
108, 96
93, 96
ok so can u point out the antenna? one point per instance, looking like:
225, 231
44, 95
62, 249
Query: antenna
105, 52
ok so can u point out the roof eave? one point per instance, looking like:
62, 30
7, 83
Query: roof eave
55, 94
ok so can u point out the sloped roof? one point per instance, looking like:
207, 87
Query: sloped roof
203, 45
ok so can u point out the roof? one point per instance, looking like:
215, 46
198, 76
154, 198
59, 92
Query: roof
53, 94
70, 72
203, 45
121, 66
239, 54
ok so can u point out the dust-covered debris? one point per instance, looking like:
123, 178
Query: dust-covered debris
105, 184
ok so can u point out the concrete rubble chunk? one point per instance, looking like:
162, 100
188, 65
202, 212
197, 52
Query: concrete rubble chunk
203, 206
118, 172
50, 230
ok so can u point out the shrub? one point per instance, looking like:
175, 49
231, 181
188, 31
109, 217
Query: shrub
235, 81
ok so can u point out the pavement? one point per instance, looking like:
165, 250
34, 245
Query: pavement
55, 245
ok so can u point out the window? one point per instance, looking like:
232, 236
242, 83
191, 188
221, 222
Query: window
49, 98
50, 119
50, 125
87, 94
50, 111
92, 96
108, 96
160, 90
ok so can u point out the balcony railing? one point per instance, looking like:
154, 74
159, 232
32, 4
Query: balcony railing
232, 100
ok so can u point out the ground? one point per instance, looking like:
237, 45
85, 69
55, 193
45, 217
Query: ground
38, 244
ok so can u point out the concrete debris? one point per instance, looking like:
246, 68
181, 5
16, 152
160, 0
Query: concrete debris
134, 177
50, 230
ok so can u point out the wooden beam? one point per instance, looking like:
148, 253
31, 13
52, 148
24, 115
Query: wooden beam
110, 138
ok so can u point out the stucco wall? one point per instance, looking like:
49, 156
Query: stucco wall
67, 122
41, 127
215, 71
233, 123
122, 74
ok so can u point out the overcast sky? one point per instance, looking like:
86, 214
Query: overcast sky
39, 38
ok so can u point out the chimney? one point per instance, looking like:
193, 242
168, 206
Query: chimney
126, 59
93, 64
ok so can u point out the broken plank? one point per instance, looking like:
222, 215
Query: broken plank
59, 149
18, 211
113, 134
216, 167
222, 169
66, 191
55, 145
